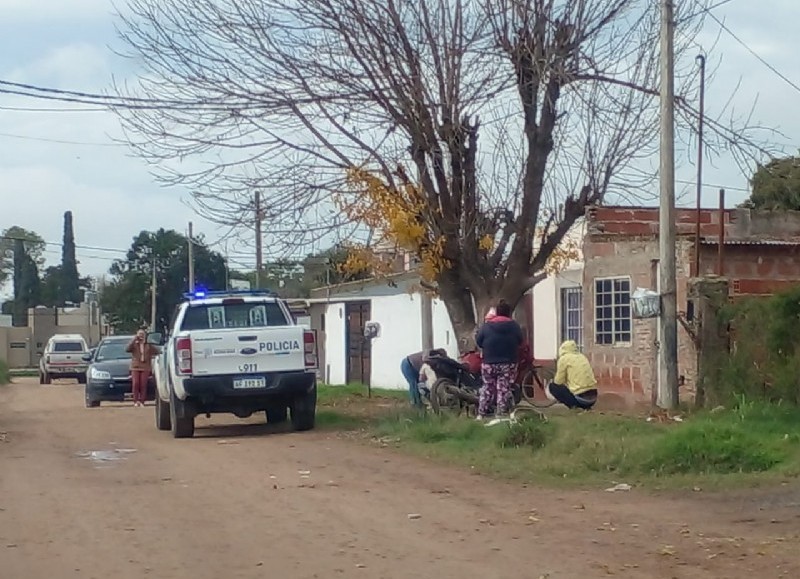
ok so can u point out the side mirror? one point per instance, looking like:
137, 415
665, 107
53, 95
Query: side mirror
154, 339
87, 357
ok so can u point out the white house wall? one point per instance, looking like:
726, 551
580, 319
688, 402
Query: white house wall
400, 317
335, 344
443, 334
545, 319
547, 311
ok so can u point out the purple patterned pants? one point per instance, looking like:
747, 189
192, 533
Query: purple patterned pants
496, 390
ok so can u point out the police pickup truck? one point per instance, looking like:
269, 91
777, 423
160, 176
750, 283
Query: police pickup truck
236, 352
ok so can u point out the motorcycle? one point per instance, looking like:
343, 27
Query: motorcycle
450, 385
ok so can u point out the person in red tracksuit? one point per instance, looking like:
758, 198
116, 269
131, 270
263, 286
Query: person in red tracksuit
142, 355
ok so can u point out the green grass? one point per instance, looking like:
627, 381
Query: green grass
5, 378
24, 373
332, 420
749, 444
328, 394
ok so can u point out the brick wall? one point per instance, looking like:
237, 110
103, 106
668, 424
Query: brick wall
629, 369
755, 269
623, 242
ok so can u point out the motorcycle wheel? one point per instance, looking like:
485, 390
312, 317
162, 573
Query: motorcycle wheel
443, 398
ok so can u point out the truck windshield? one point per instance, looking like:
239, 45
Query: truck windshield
67, 347
241, 315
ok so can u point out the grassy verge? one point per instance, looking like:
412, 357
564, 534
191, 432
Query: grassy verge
746, 445
5, 378
24, 373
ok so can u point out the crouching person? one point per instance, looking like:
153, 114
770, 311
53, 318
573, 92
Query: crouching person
574, 384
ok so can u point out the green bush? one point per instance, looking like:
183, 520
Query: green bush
533, 434
712, 448
764, 362
5, 378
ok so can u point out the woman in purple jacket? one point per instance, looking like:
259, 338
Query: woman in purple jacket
499, 340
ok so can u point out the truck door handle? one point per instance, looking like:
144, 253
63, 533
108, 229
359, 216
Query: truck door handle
248, 338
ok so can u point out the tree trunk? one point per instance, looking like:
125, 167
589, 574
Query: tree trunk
458, 301
466, 313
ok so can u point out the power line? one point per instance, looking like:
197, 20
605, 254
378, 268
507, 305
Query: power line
726, 187
706, 10
57, 244
121, 102
59, 141
782, 76
52, 110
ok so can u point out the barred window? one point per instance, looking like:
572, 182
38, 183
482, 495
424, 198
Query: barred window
612, 307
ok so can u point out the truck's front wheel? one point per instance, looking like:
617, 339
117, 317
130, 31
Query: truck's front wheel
163, 421
181, 418
304, 410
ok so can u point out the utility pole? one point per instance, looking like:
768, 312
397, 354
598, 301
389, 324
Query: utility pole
259, 256
153, 297
668, 335
191, 258
701, 59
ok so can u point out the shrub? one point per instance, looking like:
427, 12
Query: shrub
532, 434
712, 447
5, 377
764, 362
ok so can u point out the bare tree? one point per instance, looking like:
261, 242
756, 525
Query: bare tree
513, 116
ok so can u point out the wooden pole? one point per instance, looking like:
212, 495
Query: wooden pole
701, 120
191, 258
668, 338
259, 249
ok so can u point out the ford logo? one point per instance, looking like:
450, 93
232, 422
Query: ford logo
248, 351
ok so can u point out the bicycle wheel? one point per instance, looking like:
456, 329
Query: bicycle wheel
533, 389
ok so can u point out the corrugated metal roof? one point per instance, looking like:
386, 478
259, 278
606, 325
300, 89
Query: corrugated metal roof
776, 242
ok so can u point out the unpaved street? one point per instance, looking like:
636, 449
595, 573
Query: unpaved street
245, 501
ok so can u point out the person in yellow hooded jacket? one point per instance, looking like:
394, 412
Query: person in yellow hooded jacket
574, 384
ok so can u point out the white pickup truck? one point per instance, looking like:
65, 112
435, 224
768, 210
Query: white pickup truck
235, 352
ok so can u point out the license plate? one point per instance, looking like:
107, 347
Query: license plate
246, 383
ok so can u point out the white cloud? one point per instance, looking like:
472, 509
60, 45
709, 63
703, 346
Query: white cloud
36, 196
81, 64
25, 11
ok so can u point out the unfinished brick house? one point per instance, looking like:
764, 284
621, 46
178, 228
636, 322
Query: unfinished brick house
761, 255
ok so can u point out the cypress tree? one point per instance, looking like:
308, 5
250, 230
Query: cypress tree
70, 280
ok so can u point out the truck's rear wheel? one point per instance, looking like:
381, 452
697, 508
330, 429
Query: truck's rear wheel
304, 411
277, 414
180, 417
163, 421
46, 378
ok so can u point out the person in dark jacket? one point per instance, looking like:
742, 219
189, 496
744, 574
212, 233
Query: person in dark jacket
499, 339
410, 367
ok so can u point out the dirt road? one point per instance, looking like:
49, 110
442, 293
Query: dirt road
244, 501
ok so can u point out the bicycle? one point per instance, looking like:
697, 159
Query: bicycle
533, 379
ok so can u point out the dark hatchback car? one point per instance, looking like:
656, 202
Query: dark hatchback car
108, 378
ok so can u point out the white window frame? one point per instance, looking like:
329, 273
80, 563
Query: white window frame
565, 310
614, 319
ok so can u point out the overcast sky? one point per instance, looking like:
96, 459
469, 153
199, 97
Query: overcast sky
65, 44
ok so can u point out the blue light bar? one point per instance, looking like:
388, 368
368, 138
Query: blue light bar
203, 294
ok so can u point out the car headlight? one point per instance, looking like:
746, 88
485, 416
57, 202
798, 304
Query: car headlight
96, 374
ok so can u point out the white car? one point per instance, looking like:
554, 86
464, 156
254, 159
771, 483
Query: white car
63, 357
237, 352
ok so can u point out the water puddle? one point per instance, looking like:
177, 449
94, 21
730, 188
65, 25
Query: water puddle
105, 458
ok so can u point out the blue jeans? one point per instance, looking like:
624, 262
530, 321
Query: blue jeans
412, 377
